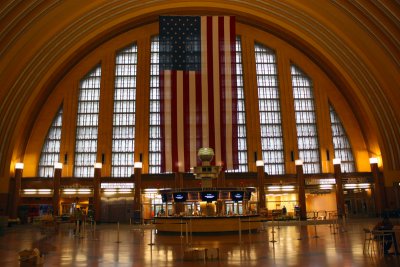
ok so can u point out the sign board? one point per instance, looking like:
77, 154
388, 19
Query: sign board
117, 185
314, 181
357, 180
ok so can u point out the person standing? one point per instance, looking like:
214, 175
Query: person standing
78, 218
284, 211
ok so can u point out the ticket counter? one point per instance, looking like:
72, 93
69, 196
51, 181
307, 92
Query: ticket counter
208, 224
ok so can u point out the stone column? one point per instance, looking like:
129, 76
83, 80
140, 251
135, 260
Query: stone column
96, 192
19, 169
302, 191
137, 203
260, 184
178, 180
221, 179
56, 189
339, 188
379, 196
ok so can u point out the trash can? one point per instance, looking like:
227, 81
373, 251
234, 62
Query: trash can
3, 224
137, 217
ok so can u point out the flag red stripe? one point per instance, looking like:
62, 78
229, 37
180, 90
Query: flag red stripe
174, 122
210, 73
199, 117
222, 88
186, 117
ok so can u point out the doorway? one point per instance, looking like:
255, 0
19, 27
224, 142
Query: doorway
359, 203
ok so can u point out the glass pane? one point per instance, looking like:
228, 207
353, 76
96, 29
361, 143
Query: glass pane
87, 124
307, 135
341, 144
270, 110
123, 145
51, 148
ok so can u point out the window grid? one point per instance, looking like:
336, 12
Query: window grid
123, 142
51, 148
154, 125
270, 110
341, 144
306, 127
241, 123
87, 124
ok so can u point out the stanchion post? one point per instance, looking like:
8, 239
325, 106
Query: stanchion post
315, 228
94, 230
181, 229
334, 225
273, 224
273, 231
118, 233
262, 228
191, 232
240, 231
299, 229
186, 233
344, 224
151, 237
83, 228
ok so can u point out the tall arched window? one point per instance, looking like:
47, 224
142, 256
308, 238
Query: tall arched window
241, 122
306, 126
154, 123
87, 124
51, 147
123, 142
270, 110
341, 144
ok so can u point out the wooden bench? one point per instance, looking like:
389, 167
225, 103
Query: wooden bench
195, 254
203, 254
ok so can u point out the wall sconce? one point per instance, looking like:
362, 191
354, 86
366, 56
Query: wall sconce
138, 165
373, 160
337, 161
259, 163
98, 165
298, 162
19, 166
58, 165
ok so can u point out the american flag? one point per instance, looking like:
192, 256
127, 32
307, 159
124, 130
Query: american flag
198, 94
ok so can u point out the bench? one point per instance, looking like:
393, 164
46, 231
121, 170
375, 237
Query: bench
195, 254
202, 254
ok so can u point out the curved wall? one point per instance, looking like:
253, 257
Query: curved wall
356, 44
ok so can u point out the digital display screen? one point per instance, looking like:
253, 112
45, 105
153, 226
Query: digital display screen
209, 196
180, 197
237, 196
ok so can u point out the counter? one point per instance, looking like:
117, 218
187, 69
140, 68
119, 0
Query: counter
208, 224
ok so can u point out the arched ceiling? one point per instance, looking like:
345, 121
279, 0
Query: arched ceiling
357, 43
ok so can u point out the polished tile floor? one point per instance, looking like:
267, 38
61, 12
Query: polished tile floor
109, 245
